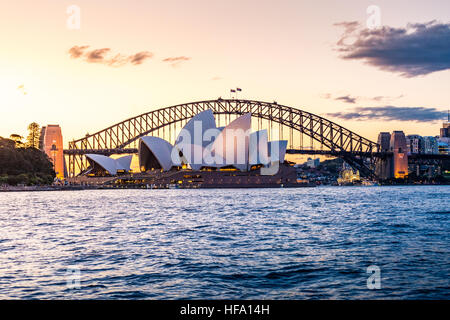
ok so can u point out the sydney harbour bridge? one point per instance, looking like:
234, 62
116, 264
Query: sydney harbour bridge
306, 132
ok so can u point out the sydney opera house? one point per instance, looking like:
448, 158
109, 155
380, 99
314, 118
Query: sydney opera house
204, 155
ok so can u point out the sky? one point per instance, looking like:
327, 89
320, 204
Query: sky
88, 64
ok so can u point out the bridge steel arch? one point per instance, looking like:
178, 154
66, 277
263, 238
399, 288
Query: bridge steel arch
341, 142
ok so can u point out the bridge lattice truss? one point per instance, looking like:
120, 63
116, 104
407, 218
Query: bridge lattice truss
335, 139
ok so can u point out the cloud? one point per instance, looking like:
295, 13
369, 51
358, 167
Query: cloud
102, 56
216, 78
349, 26
391, 113
418, 49
386, 98
77, 51
347, 99
97, 55
354, 99
139, 57
175, 61
117, 61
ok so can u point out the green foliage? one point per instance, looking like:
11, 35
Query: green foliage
17, 138
34, 131
28, 166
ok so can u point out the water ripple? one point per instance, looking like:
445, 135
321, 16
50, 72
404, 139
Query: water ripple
226, 244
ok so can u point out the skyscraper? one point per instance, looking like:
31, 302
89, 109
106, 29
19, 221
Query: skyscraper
384, 139
445, 130
414, 143
430, 145
384, 166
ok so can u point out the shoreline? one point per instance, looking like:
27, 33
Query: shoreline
94, 187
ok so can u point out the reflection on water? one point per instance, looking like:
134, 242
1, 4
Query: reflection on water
230, 244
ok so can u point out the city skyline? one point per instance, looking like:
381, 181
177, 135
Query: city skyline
129, 58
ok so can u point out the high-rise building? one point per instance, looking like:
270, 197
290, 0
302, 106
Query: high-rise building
51, 142
414, 144
430, 145
384, 139
445, 130
400, 155
383, 168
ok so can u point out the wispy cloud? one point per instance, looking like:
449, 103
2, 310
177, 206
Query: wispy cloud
140, 57
391, 113
77, 51
347, 99
175, 61
418, 49
97, 55
386, 98
103, 56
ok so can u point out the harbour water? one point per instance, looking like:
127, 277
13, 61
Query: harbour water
301, 243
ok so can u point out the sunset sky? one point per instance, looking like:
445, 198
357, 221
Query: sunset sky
131, 57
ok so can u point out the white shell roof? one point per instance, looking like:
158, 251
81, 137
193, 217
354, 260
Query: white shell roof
239, 128
124, 163
277, 150
204, 158
161, 149
257, 150
105, 162
247, 148
204, 121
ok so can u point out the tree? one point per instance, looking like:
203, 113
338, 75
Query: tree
17, 138
33, 135
24, 165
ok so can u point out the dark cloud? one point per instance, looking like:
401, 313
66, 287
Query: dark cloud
418, 49
97, 55
391, 113
77, 51
347, 99
139, 57
175, 61
102, 56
